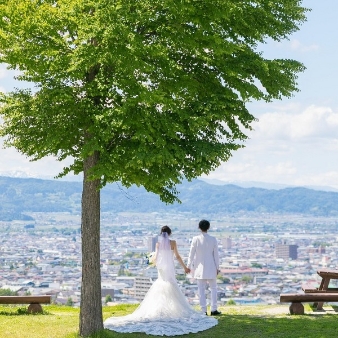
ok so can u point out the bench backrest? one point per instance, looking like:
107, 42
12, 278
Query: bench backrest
25, 299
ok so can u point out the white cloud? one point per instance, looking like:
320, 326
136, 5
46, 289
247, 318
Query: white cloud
288, 147
277, 173
313, 122
329, 178
254, 171
3, 73
14, 162
297, 45
332, 145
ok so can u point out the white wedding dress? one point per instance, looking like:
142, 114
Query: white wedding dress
164, 311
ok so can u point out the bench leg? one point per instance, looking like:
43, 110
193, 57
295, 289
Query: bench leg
324, 285
34, 308
296, 308
319, 305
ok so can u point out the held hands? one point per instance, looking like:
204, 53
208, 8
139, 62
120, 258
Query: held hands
187, 270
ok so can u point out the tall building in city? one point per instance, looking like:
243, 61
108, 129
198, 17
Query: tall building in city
151, 243
286, 251
226, 243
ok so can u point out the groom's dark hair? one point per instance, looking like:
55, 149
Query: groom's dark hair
204, 225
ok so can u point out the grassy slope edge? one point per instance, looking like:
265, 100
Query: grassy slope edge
235, 322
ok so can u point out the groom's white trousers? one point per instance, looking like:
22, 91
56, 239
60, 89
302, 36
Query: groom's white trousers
202, 284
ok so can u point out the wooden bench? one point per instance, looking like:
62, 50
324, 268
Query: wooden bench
313, 287
296, 299
327, 275
310, 287
33, 301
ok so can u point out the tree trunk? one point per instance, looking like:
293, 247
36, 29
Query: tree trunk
91, 319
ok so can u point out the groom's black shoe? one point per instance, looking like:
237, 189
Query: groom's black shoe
215, 313
206, 313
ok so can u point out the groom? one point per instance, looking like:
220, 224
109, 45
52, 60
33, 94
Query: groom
204, 263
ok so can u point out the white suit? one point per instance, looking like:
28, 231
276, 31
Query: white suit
203, 260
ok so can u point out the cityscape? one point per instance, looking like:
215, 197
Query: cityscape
261, 255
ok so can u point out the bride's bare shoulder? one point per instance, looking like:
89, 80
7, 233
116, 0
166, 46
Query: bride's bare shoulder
172, 243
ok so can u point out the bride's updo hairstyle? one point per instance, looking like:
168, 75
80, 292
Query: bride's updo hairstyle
166, 229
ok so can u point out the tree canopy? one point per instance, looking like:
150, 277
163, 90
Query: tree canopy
144, 92
160, 86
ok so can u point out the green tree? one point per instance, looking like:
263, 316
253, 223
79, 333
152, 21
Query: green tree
8, 292
139, 92
246, 279
181, 277
70, 301
108, 299
256, 265
223, 279
231, 302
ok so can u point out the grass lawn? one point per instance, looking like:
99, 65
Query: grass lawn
235, 322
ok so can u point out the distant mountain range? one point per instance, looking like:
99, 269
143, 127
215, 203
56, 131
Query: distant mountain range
20, 196
266, 185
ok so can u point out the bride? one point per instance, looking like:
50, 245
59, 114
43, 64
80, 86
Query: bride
164, 311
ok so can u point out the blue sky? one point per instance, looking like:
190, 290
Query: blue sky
295, 141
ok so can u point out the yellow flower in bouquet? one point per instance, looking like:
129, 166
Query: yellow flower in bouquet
151, 259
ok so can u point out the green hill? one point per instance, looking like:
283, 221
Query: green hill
19, 196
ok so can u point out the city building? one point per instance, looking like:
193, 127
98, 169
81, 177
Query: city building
241, 272
226, 243
286, 251
151, 243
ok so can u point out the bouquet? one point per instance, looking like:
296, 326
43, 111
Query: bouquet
151, 259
